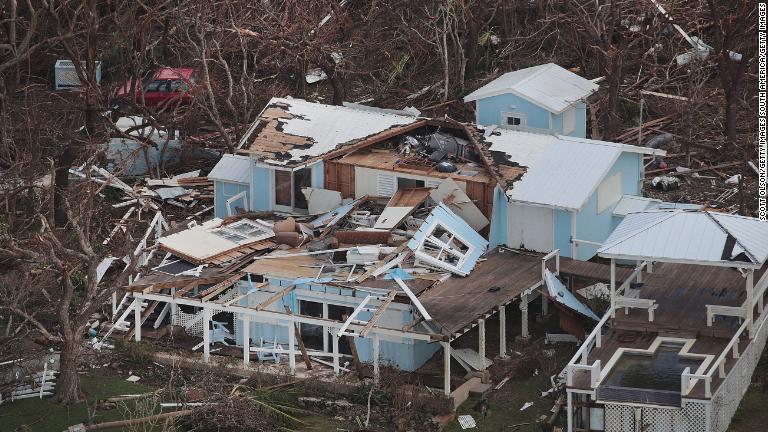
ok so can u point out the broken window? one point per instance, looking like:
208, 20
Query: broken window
311, 334
408, 183
228, 235
302, 178
442, 248
247, 228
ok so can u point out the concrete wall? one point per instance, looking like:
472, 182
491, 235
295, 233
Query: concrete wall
222, 191
596, 227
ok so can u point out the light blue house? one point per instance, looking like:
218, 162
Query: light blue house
544, 98
231, 185
566, 197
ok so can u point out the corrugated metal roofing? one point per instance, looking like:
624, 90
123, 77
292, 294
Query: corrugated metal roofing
560, 293
319, 128
547, 85
232, 168
556, 173
690, 236
632, 204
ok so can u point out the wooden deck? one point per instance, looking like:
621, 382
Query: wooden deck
682, 292
459, 302
591, 270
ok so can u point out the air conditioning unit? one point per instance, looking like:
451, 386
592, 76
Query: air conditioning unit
65, 75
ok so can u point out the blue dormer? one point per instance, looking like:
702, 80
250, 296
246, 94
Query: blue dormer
544, 98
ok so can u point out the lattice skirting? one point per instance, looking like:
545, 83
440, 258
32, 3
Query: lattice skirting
183, 318
728, 396
691, 417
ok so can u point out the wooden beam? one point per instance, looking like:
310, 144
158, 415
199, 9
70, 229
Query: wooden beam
355, 357
187, 288
174, 283
379, 312
297, 333
215, 290
385, 135
277, 296
242, 296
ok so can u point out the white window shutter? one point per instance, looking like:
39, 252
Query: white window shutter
386, 185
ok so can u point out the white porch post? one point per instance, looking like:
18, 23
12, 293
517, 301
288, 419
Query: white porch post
114, 303
613, 288
246, 341
524, 311
206, 334
502, 331
481, 348
639, 273
174, 308
291, 348
336, 368
569, 412
137, 318
750, 301
649, 267
375, 357
446, 367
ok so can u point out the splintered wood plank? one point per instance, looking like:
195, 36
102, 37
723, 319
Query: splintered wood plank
379, 312
215, 290
277, 296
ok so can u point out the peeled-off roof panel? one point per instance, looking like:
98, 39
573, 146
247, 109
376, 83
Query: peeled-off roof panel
232, 168
751, 233
298, 130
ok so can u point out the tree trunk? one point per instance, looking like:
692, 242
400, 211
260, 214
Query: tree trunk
612, 119
68, 382
473, 36
730, 115
61, 185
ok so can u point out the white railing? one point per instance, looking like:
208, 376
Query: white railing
554, 254
579, 360
688, 380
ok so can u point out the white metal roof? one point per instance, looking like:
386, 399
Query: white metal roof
232, 168
547, 85
631, 204
328, 126
562, 171
690, 237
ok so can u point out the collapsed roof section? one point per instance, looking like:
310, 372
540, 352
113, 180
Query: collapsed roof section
291, 132
555, 171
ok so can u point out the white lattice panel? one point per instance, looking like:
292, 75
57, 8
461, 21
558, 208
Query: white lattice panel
183, 318
728, 396
619, 418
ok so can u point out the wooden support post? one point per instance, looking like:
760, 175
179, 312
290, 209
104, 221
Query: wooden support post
524, 319
613, 288
446, 368
174, 308
375, 357
206, 334
569, 412
649, 267
335, 341
353, 348
750, 302
502, 331
137, 318
246, 341
114, 301
291, 348
481, 348
639, 273
297, 333
544, 305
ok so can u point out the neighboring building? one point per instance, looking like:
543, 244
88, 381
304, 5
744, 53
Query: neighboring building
544, 98
677, 348
231, 184
128, 155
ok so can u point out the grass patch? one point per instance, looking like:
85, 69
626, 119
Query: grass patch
44, 416
505, 406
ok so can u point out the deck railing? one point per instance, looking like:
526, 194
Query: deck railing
579, 361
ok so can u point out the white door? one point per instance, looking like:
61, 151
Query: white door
530, 227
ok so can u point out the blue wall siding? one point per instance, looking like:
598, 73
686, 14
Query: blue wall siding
597, 227
405, 354
489, 111
225, 190
498, 233
563, 232
260, 183
318, 180
580, 130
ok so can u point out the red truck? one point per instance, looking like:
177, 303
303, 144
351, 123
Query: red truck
162, 87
